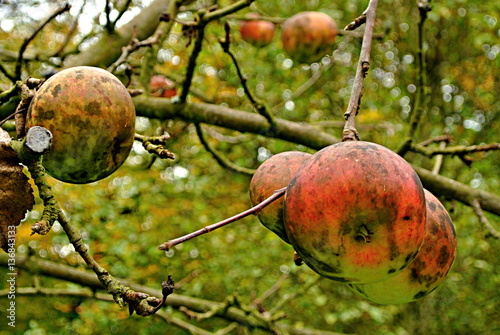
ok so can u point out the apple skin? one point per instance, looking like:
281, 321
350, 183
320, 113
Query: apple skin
91, 116
308, 36
427, 271
273, 174
355, 212
257, 32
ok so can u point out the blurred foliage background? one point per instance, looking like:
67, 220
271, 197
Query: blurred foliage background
124, 217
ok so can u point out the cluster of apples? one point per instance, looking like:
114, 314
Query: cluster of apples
306, 36
356, 212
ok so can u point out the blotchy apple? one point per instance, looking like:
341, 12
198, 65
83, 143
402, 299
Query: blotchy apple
355, 212
428, 270
308, 36
257, 32
92, 120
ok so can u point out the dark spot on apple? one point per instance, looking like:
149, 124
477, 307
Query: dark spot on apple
391, 271
444, 255
46, 114
393, 251
434, 228
406, 218
93, 108
56, 90
420, 294
79, 75
105, 79
414, 274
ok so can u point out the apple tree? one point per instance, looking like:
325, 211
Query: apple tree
362, 134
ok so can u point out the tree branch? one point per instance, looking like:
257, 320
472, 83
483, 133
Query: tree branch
420, 104
245, 122
479, 212
204, 19
258, 106
350, 133
294, 132
453, 189
456, 150
89, 294
88, 279
133, 45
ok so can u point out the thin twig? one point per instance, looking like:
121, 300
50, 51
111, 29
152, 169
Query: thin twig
204, 19
254, 210
273, 289
220, 13
133, 45
350, 133
258, 106
492, 232
155, 145
218, 156
420, 104
442, 138
120, 13
150, 56
292, 296
107, 11
456, 150
70, 33
7, 74
27, 41
420, 99
139, 302
192, 61
356, 23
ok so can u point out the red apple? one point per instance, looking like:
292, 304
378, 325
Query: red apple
355, 212
257, 32
308, 36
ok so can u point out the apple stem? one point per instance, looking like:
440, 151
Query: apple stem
252, 211
365, 234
